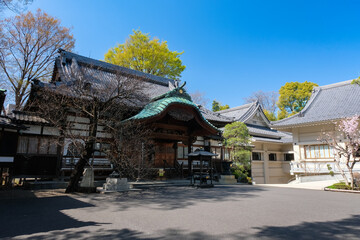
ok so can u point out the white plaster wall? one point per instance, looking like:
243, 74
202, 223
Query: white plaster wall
32, 129
266, 171
51, 131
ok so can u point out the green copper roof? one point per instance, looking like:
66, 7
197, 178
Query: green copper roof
160, 103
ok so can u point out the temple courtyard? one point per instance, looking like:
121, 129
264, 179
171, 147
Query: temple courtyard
222, 212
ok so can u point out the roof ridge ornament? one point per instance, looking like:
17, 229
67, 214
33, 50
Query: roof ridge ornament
177, 84
178, 92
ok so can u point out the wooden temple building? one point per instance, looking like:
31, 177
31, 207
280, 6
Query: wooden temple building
179, 126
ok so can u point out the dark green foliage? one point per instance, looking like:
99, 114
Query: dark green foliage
241, 172
216, 106
237, 138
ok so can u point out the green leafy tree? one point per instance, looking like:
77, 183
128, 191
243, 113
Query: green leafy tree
141, 53
216, 106
356, 81
270, 115
237, 138
293, 97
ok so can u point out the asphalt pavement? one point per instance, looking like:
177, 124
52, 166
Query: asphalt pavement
222, 212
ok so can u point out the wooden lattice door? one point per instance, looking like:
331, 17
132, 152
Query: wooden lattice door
164, 151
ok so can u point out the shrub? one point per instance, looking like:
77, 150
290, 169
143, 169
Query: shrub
241, 173
340, 185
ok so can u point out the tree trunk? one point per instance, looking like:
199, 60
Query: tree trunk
76, 175
351, 176
17, 101
341, 171
73, 185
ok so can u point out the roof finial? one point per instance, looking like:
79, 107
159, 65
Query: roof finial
176, 83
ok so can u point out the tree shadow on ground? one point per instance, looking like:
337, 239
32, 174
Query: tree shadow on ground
170, 198
348, 228
30, 215
129, 234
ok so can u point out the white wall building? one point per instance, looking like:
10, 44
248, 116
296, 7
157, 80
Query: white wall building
327, 105
272, 150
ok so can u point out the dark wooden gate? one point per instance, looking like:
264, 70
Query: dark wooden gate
164, 152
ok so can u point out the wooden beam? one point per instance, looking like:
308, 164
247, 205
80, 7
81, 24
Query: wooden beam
168, 136
170, 126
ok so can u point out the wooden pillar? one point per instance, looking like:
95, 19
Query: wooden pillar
211, 170
175, 146
201, 169
1, 177
189, 160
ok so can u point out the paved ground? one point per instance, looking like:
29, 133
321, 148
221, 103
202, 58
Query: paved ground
316, 185
223, 212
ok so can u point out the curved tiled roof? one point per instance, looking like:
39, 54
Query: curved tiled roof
161, 103
238, 113
327, 103
245, 112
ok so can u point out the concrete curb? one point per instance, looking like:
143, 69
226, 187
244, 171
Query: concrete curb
340, 190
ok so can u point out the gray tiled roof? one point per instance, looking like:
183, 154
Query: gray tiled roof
101, 74
5, 122
66, 57
263, 133
327, 103
214, 116
266, 133
23, 117
245, 112
240, 113
262, 139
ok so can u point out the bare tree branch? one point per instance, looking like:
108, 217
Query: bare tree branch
29, 43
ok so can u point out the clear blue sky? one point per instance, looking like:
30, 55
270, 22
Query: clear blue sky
232, 48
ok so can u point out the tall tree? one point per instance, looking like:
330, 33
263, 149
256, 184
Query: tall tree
199, 98
216, 106
237, 138
345, 143
14, 5
267, 100
356, 81
104, 105
27, 48
293, 97
141, 53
